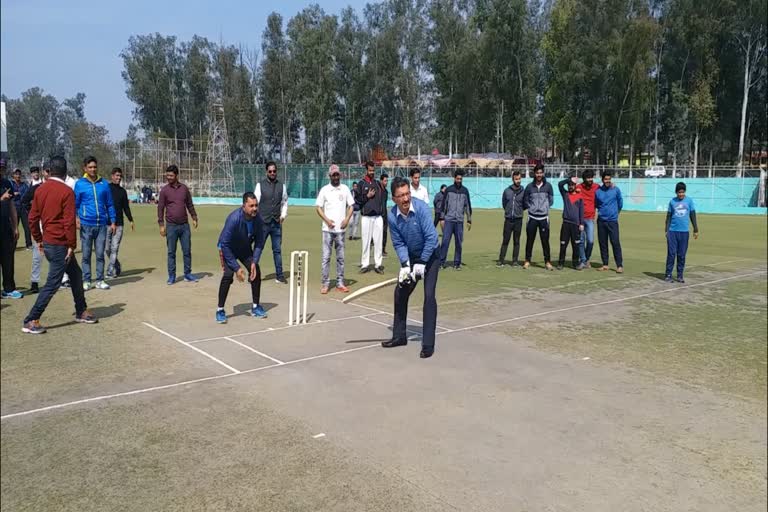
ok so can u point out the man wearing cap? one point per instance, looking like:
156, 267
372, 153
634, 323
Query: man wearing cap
334, 205
414, 238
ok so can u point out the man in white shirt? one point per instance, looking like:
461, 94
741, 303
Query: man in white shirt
418, 191
70, 181
334, 205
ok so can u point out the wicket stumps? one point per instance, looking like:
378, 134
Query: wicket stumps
299, 270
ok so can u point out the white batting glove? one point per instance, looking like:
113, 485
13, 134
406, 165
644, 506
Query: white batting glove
418, 270
404, 275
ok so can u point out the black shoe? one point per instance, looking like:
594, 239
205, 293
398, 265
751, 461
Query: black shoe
281, 279
394, 343
560, 266
457, 267
379, 270
426, 352
384, 253
444, 266
33, 288
515, 263
499, 263
365, 270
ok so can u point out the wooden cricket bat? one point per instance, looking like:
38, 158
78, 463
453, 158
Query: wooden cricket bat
368, 289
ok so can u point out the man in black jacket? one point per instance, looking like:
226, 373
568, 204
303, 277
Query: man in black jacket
369, 197
272, 196
122, 205
538, 199
438, 204
512, 202
573, 222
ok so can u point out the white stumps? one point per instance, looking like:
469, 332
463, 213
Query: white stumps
298, 287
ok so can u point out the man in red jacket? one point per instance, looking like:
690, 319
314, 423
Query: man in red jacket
587, 190
53, 207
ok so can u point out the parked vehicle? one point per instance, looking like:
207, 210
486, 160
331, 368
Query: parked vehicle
656, 171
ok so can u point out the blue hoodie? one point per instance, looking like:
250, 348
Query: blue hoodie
609, 203
93, 201
241, 239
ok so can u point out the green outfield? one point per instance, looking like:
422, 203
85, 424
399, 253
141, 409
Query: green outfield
529, 358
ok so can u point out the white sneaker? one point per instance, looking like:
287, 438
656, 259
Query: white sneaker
86, 285
101, 285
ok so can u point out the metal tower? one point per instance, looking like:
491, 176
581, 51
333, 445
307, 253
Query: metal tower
218, 180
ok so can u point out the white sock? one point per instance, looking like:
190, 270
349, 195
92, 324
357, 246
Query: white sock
219, 309
255, 305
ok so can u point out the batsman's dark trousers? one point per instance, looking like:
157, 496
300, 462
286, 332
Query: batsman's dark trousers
609, 229
677, 247
512, 228
228, 278
403, 293
569, 233
542, 226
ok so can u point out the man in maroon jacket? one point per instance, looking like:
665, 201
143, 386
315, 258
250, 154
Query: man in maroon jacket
53, 206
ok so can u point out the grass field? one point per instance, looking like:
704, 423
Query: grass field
555, 390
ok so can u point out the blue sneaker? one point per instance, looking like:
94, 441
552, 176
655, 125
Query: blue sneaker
190, 278
15, 294
171, 280
221, 316
258, 312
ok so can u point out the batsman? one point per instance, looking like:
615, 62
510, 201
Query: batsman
241, 241
415, 241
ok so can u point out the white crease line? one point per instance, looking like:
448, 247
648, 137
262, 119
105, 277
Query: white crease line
388, 325
271, 329
318, 436
262, 354
203, 352
184, 383
365, 347
381, 312
671, 289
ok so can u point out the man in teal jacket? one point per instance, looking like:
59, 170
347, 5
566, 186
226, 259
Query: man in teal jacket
95, 211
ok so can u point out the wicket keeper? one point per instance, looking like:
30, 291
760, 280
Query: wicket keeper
242, 241
415, 241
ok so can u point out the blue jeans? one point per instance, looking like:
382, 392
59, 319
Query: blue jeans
455, 229
677, 247
587, 241
57, 267
275, 231
90, 235
181, 233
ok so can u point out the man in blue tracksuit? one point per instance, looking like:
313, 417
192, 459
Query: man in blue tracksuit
456, 204
95, 211
414, 238
609, 203
679, 213
242, 240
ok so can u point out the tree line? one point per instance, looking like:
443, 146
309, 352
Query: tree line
596, 81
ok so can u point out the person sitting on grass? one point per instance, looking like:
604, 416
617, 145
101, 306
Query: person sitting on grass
679, 213
242, 239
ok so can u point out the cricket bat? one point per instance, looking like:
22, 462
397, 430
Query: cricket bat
368, 289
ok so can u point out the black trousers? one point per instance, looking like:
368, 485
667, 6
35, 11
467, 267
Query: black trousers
511, 227
57, 267
403, 293
437, 219
609, 230
24, 218
569, 233
542, 226
228, 278
7, 248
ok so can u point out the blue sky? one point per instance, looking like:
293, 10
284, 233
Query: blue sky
70, 46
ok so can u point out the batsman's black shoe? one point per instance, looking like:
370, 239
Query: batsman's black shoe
394, 343
366, 269
34, 288
379, 270
426, 352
